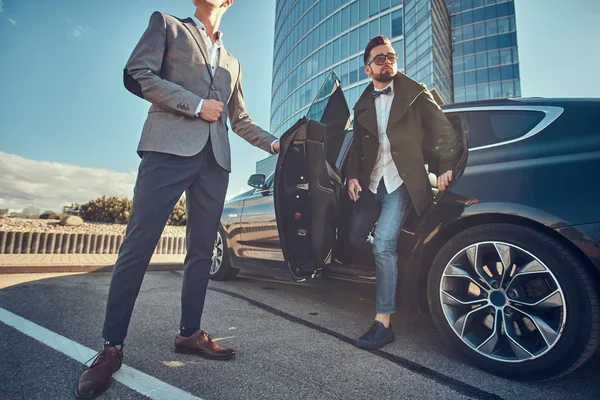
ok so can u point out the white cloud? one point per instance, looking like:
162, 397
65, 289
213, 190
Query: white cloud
12, 21
75, 30
1, 6
51, 185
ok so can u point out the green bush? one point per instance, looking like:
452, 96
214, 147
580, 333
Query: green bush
115, 210
178, 216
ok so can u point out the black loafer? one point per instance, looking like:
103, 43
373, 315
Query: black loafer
376, 337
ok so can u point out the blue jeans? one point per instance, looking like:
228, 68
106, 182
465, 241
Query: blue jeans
389, 210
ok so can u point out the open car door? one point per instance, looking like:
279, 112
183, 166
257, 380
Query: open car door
307, 183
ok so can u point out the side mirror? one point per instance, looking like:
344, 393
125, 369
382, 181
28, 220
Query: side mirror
257, 181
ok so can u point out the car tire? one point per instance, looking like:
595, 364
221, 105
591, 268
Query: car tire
549, 322
221, 269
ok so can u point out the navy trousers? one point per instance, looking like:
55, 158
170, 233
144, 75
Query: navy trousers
162, 179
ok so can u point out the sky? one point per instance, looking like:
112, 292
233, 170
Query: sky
69, 129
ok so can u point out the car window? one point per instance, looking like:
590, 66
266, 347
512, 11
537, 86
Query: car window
455, 121
319, 104
269, 180
331, 109
342, 156
496, 126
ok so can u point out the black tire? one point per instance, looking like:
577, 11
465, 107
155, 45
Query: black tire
224, 271
568, 351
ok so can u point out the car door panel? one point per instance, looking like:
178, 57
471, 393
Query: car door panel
231, 223
308, 182
259, 237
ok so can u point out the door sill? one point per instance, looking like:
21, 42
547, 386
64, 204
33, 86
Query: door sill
344, 270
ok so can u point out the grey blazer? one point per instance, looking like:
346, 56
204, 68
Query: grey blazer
170, 67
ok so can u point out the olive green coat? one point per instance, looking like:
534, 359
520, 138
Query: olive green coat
419, 134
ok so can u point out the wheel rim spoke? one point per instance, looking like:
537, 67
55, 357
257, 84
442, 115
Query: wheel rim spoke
451, 300
456, 272
552, 300
546, 331
461, 323
520, 352
489, 345
473, 256
531, 268
504, 254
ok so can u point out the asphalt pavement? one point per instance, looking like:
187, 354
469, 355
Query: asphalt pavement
293, 341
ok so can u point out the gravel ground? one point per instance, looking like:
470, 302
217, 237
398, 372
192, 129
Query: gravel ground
52, 226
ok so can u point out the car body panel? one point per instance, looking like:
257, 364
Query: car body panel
587, 239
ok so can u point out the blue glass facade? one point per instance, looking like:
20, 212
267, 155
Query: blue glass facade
461, 49
313, 37
428, 45
484, 43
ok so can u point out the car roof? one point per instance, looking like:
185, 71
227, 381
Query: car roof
546, 101
520, 101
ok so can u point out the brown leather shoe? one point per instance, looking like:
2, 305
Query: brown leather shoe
200, 343
96, 379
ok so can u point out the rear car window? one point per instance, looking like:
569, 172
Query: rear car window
496, 126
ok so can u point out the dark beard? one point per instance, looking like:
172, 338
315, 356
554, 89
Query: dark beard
384, 77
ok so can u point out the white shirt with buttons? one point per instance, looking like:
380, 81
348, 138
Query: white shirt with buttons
214, 50
384, 164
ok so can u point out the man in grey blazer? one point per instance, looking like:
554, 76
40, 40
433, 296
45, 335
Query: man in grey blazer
182, 68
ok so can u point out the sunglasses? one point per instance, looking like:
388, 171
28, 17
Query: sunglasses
380, 59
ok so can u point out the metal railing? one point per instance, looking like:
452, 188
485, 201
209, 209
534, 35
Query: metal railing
77, 243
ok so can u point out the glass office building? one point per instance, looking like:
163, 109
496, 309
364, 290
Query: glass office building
485, 57
314, 37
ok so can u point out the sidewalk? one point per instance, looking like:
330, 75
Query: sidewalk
36, 263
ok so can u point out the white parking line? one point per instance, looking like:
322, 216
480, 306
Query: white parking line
140, 382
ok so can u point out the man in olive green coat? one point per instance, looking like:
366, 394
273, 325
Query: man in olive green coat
398, 128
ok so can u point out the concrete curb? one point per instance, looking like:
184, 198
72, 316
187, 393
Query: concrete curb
36, 269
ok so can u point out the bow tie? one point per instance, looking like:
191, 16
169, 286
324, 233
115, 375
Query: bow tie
377, 93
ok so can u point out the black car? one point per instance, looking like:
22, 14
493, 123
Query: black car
507, 259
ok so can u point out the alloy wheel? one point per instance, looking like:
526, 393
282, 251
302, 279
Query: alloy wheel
217, 257
503, 302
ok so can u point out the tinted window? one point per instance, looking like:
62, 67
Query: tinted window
269, 180
456, 120
489, 127
330, 108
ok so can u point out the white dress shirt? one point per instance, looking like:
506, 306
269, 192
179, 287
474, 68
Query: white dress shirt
384, 165
214, 50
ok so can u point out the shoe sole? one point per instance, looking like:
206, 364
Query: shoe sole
94, 396
82, 397
204, 355
367, 346
79, 396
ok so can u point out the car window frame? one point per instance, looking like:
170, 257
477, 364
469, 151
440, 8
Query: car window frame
551, 114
